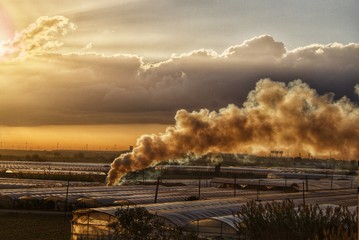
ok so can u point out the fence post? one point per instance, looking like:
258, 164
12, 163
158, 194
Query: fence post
303, 195
234, 186
158, 183
199, 188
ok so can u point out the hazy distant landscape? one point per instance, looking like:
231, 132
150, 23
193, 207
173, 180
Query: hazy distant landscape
59, 155
47, 191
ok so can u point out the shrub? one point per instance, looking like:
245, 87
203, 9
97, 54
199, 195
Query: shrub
283, 220
192, 198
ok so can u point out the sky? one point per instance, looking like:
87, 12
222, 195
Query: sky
101, 73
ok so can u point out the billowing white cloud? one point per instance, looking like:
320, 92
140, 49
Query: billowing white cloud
38, 37
259, 48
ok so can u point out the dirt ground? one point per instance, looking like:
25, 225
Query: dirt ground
34, 226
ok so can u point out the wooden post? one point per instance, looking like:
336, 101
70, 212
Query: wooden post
199, 188
67, 195
66, 201
303, 195
234, 186
158, 183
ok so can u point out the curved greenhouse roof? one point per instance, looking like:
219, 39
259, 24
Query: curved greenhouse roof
208, 218
224, 226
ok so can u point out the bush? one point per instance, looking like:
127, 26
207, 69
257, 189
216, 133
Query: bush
283, 220
192, 198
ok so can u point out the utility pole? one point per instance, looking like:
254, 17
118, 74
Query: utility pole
234, 186
67, 195
258, 188
66, 200
158, 183
303, 195
199, 188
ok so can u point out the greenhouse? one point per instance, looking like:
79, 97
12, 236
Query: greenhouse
172, 200
222, 226
56, 198
93, 223
263, 184
208, 218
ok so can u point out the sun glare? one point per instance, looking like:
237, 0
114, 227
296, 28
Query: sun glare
1, 49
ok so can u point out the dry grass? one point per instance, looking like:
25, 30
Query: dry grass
30, 226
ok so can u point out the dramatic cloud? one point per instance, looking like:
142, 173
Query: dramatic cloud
290, 117
262, 48
49, 88
155, 29
38, 37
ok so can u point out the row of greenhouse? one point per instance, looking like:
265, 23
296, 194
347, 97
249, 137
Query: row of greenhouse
75, 197
94, 207
211, 217
58, 166
208, 218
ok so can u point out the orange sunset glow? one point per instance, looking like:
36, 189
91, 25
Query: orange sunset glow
89, 74
86, 137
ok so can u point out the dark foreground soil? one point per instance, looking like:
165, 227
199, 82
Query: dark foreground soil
31, 226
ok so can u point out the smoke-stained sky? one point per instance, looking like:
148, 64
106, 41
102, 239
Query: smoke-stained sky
113, 63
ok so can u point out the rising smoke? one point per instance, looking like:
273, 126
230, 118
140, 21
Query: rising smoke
292, 117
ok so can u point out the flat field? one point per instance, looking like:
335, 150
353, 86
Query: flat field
34, 226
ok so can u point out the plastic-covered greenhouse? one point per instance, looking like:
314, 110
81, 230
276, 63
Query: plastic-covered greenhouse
224, 226
55, 198
93, 223
208, 218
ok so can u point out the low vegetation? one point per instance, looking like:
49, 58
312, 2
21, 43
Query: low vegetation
283, 220
192, 198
